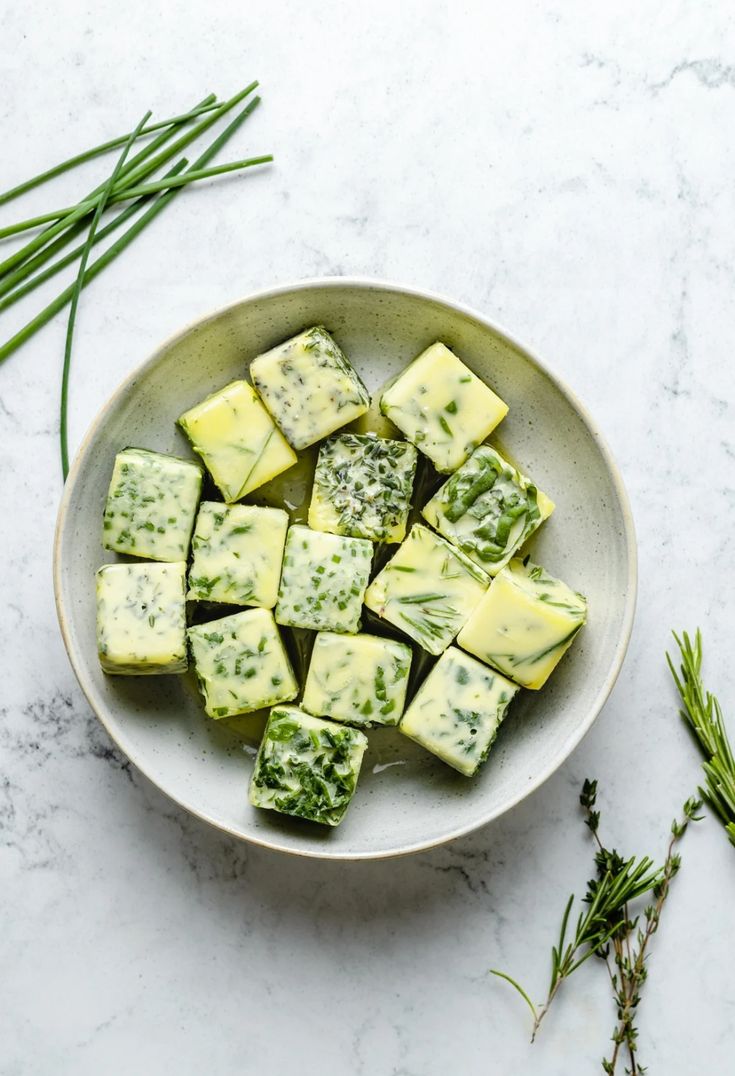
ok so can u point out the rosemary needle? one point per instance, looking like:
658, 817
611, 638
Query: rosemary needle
207, 105
77, 291
135, 192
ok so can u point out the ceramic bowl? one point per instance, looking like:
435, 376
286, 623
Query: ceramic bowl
407, 799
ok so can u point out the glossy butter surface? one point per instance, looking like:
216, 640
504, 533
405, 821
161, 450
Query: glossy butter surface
457, 710
442, 407
151, 505
309, 387
362, 487
525, 623
323, 580
488, 509
240, 444
237, 554
428, 589
241, 663
359, 679
307, 767
141, 618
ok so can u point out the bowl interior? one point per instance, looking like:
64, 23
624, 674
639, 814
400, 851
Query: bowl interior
406, 799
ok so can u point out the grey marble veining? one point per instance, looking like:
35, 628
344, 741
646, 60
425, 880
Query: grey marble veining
566, 169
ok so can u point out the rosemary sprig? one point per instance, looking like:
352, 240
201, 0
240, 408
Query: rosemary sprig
605, 924
77, 291
207, 105
703, 714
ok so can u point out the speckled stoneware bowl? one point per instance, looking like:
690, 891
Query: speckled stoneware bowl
406, 799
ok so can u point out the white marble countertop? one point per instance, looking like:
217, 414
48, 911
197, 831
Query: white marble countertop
566, 169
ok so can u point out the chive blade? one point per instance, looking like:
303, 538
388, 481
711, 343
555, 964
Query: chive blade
116, 248
77, 291
208, 104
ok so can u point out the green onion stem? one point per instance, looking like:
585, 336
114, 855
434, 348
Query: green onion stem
77, 291
124, 240
207, 105
136, 192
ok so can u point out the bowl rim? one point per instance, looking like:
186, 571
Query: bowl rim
377, 285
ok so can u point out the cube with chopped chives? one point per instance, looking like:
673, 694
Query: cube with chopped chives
151, 505
323, 580
241, 663
141, 618
237, 554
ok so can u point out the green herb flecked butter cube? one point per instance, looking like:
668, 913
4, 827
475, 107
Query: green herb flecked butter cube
456, 712
323, 580
442, 407
151, 505
362, 487
525, 623
428, 589
309, 387
359, 679
307, 767
141, 618
237, 554
241, 663
488, 509
238, 440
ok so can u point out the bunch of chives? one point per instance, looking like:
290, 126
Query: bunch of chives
132, 180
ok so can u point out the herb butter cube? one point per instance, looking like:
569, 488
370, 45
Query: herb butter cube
238, 550
488, 509
362, 487
525, 623
359, 679
307, 767
151, 505
457, 710
241, 663
309, 387
240, 444
442, 407
323, 580
428, 589
141, 618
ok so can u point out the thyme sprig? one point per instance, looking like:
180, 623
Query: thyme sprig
605, 929
703, 714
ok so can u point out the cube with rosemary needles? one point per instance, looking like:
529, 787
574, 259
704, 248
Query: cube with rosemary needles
323, 580
442, 407
428, 589
458, 709
237, 554
141, 618
239, 442
241, 663
362, 487
525, 623
307, 767
151, 505
488, 509
358, 679
309, 386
